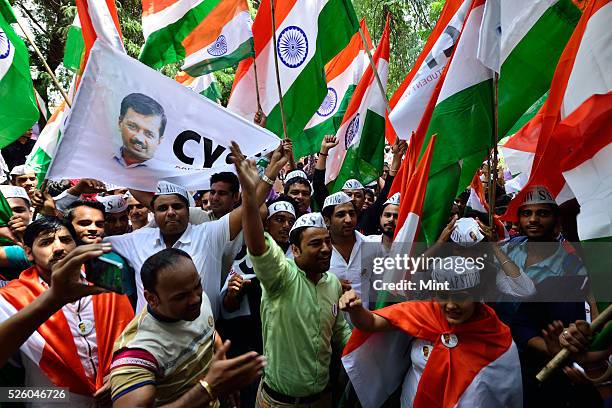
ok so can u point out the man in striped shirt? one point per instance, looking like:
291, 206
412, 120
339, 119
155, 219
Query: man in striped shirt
164, 357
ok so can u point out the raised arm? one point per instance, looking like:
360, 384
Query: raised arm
277, 162
362, 318
320, 192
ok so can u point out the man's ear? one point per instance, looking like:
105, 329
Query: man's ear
151, 298
327, 221
296, 251
29, 253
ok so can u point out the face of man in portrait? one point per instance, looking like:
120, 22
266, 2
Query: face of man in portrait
140, 135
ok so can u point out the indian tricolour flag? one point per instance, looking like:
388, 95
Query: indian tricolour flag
462, 117
75, 46
18, 110
207, 34
309, 33
205, 85
565, 128
361, 136
409, 101
342, 74
42, 153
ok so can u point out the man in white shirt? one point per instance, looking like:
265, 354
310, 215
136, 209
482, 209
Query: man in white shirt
350, 253
387, 223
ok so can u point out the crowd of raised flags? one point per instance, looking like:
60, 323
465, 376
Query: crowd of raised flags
531, 79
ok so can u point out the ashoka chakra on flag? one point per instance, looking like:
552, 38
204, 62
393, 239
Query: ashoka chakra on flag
329, 103
351, 131
5, 45
292, 46
219, 47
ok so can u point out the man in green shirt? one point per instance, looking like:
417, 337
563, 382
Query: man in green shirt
299, 305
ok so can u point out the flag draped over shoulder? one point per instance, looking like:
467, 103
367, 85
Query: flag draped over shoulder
309, 33
483, 369
342, 74
361, 136
208, 35
18, 109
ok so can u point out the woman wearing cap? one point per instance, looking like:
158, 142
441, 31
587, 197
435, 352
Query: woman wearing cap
460, 353
463, 237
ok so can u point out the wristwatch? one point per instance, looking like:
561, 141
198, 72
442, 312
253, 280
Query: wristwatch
209, 391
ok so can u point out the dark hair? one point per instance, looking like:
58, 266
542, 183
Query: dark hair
226, 177
183, 199
165, 258
295, 236
69, 212
46, 224
144, 105
327, 212
369, 191
296, 180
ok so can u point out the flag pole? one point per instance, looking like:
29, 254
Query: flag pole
47, 68
256, 83
378, 81
493, 180
278, 82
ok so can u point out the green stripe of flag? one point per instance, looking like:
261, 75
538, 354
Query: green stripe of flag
526, 74
364, 160
75, 46
310, 142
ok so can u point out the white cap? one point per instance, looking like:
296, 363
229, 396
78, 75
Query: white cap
294, 174
453, 269
113, 204
466, 232
352, 184
310, 220
167, 188
280, 206
336, 199
15, 192
18, 170
538, 195
111, 187
394, 199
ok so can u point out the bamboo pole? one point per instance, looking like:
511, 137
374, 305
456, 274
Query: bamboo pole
378, 80
562, 355
278, 82
47, 68
493, 165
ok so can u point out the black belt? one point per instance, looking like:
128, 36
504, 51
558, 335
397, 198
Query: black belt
287, 399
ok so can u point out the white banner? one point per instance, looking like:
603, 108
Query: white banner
132, 126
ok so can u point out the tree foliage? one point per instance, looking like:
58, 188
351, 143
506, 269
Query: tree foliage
410, 25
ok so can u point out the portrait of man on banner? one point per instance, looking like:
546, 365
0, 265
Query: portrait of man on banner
142, 122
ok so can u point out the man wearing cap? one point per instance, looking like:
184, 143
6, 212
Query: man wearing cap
138, 213
299, 303
241, 294
13, 258
388, 222
349, 249
298, 187
116, 219
367, 220
205, 242
20, 177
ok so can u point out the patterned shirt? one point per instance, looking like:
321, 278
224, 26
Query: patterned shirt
172, 356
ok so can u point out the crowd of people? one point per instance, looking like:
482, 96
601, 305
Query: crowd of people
248, 293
